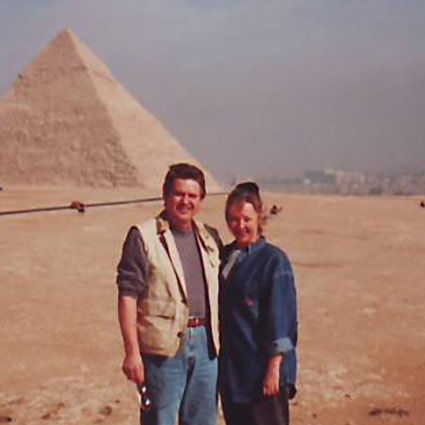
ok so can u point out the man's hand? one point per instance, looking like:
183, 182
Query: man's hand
271, 380
132, 366
133, 369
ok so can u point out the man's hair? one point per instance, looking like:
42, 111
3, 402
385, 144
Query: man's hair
185, 172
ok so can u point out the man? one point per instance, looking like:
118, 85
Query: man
167, 306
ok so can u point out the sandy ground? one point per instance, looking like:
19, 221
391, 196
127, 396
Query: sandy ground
360, 270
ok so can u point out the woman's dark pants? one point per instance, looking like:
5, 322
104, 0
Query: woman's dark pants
268, 411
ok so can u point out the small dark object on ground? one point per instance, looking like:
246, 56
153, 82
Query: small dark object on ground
106, 410
4, 419
1, 188
274, 210
79, 206
54, 411
388, 411
422, 204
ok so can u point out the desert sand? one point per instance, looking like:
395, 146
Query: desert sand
359, 264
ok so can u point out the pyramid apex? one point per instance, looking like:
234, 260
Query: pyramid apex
66, 32
66, 54
66, 35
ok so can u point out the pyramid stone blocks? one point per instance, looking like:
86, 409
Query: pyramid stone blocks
67, 121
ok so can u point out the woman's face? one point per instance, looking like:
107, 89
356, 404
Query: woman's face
243, 221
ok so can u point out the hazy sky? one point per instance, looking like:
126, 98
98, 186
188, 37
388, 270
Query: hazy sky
254, 87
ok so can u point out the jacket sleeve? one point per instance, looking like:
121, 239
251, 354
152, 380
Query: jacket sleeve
281, 307
133, 266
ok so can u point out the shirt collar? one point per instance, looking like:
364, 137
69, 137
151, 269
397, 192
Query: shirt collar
250, 249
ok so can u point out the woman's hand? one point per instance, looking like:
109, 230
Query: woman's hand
271, 380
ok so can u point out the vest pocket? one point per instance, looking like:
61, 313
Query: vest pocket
157, 327
159, 308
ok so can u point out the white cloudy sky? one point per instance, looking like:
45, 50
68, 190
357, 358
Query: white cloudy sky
255, 87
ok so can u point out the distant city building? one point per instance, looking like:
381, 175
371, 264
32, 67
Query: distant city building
319, 177
339, 182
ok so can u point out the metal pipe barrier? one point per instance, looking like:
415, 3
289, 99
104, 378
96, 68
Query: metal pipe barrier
81, 206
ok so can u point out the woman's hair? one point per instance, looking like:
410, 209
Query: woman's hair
248, 192
185, 172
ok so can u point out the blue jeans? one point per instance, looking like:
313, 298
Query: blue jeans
183, 387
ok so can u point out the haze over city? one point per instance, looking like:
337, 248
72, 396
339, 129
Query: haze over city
255, 88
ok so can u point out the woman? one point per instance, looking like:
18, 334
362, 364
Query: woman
258, 319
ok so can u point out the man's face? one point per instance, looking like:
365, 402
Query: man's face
183, 202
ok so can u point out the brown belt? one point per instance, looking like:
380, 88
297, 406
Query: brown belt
194, 322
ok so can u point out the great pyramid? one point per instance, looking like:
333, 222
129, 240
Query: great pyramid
67, 121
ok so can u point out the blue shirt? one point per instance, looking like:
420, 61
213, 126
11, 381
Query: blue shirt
258, 319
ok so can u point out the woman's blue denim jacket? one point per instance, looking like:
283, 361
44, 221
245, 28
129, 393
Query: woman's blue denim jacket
258, 319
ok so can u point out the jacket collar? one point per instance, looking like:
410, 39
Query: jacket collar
207, 241
250, 248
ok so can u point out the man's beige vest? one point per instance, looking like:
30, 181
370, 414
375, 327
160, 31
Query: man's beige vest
162, 312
